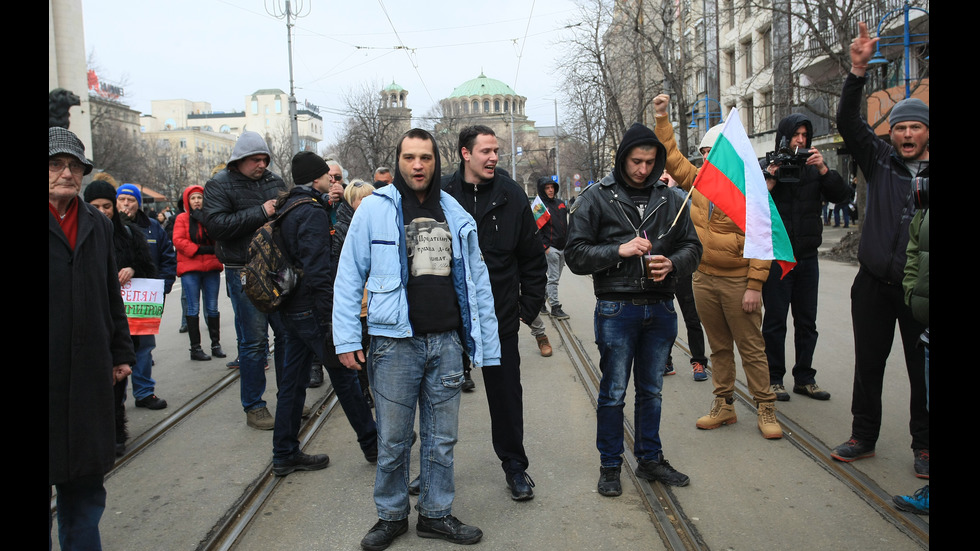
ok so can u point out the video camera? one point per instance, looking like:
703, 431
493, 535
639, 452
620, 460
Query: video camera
789, 161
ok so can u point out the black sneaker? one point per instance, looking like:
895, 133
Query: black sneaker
852, 450
922, 463
300, 462
415, 486
609, 484
371, 454
558, 313
520, 485
544, 309
662, 471
811, 390
151, 402
383, 533
448, 528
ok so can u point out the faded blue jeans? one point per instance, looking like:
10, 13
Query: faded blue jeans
638, 338
426, 370
252, 327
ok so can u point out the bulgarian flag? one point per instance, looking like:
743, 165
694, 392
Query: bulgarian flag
541, 214
732, 180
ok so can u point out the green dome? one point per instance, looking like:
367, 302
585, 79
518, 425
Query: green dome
392, 88
482, 86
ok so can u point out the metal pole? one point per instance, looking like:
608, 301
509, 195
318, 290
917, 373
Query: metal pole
513, 150
293, 122
557, 164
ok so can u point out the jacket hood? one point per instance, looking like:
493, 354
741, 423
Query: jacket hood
787, 127
187, 195
543, 181
640, 135
249, 143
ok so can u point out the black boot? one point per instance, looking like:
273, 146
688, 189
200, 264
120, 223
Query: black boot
214, 330
194, 332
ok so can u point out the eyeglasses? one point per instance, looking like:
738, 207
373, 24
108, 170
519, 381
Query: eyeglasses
57, 166
337, 177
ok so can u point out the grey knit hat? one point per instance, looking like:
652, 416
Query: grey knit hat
62, 140
909, 109
249, 143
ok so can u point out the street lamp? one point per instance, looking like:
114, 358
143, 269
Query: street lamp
707, 114
907, 42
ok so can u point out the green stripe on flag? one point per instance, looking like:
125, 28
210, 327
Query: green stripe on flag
726, 159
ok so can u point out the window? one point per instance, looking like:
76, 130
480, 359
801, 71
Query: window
476, 107
183, 143
747, 57
748, 117
278, 105
728, 13
506, 106
255, 107
496, 106
767, 47
730, 63
768, 110
466, 108
486, 106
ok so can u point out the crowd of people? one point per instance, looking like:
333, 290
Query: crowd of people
410, 281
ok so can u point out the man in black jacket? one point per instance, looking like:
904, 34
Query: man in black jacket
237, 201
620, 231
798, 192
515, 259
877, 300
89, 348
553, 235
306, 316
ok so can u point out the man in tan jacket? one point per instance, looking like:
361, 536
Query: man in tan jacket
727, 291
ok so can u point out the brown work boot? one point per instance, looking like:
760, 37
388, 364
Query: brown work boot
544, 345
722, 413
767, 421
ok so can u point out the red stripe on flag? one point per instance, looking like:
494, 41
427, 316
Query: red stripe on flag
721, 191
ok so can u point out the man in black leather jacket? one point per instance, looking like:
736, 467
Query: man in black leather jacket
237, 201
614, 229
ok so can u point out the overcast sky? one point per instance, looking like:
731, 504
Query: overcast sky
220, 51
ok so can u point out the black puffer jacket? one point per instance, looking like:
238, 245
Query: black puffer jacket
604, 217
800, 203
233, 210
511, 248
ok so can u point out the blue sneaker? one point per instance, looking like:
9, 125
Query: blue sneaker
917, 503
669, 368
698, 369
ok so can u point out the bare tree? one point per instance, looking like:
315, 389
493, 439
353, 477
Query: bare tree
369, 135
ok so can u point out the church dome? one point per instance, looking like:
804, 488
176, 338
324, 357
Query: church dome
480, 86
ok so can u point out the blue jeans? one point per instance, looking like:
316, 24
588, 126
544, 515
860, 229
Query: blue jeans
305, 337
796, 291
556, 260
142, 378
252, 327
81, 503
427, 370
637, 337
193, 284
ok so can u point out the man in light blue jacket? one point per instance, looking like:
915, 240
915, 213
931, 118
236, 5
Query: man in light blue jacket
416, 252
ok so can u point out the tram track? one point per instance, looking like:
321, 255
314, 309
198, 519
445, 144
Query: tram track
675, 528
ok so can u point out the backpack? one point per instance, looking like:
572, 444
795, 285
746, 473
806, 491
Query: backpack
269, 277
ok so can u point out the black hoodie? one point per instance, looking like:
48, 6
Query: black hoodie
799, 203
555, 231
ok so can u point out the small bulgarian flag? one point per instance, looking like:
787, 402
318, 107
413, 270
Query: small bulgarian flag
732, 180
541, 214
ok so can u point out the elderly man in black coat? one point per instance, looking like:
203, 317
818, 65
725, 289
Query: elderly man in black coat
89, 347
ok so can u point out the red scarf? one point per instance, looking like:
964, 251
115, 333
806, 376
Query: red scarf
68, 222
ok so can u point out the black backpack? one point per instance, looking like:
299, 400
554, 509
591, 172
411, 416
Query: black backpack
269, 276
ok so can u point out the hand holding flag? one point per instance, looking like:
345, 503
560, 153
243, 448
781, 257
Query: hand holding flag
540, 211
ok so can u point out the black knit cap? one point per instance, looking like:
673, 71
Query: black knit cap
100, 189
308, 166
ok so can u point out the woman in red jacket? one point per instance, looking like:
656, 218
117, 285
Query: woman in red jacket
200, 272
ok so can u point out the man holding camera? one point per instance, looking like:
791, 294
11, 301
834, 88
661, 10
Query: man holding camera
798, 181
877, 300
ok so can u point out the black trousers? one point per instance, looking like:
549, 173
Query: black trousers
684, 292
875, 307
505, 398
